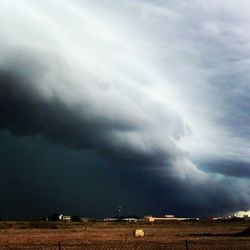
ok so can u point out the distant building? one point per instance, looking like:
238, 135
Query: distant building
65, 218
165, 218
111, 219
169, 216
130, 219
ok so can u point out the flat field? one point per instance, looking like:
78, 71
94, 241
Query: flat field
104, 235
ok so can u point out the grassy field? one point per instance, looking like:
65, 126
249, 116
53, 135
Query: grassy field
100, 235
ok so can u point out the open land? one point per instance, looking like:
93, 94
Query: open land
114, 235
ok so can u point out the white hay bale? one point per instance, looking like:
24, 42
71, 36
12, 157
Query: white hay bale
139, 233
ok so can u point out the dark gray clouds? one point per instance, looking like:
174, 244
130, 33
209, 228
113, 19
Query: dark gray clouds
25, 112
229, 168
156, 96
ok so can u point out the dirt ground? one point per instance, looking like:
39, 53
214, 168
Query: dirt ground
100, 235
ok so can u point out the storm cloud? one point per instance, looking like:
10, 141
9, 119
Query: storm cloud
157, 96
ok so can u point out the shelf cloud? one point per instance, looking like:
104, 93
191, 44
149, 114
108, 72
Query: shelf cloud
158, 90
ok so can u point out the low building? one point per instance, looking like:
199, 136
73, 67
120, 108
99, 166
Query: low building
130, 219
166, 218
169, 216
65, 218
111, 219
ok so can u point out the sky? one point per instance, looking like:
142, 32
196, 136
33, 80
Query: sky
142, 104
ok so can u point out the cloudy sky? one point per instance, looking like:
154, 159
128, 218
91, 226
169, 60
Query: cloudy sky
143, 104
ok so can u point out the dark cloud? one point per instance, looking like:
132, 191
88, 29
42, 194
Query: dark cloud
40, 178
146, 117
229, 168
26, 111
